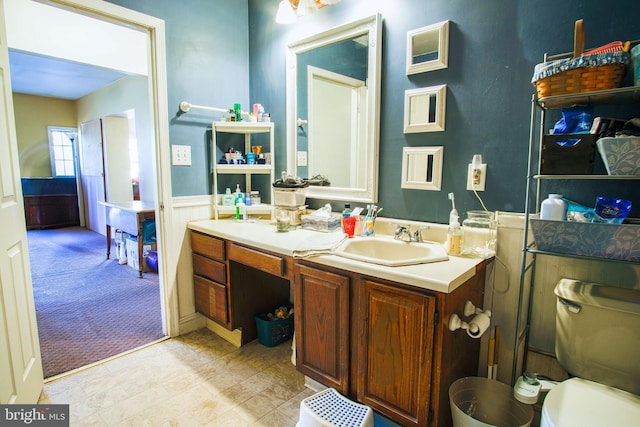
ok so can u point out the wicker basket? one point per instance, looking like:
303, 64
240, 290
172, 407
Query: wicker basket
585, 79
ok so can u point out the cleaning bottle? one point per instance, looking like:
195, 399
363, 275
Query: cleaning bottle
454, 236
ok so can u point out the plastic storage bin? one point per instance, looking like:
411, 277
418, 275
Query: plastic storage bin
273, 332
621, 155
289, 197
598, 240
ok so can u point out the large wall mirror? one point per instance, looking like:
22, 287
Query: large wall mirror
333, 99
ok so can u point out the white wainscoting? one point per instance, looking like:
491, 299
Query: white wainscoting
185, 210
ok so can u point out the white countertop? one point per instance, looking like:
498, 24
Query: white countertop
442, 276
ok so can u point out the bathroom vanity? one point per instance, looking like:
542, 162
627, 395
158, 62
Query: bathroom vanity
377, 334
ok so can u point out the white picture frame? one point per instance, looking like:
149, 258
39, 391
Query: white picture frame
422, 168
428, 48
425, 109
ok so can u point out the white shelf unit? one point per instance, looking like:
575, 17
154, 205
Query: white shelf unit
247, 129
539, 107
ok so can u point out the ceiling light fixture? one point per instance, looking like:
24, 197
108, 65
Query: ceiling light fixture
285, 14
289, 10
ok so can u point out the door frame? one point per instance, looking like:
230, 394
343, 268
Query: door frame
158, 103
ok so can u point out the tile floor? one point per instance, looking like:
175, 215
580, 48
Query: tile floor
197, 379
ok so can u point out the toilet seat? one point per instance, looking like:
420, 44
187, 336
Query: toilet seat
579, 402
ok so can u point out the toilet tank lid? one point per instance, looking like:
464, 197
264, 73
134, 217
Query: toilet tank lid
596, 295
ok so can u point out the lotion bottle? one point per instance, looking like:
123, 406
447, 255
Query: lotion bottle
553, 208
227, 198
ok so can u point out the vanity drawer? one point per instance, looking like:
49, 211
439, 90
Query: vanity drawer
211, 299
209, 268
209, 246
269, 263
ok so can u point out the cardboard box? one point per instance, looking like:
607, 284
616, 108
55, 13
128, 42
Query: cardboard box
132, 253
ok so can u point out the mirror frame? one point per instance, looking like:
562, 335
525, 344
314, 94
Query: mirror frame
372, 26
412, 126
439, 30
424, 153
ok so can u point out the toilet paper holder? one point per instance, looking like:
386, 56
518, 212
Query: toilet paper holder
476, 326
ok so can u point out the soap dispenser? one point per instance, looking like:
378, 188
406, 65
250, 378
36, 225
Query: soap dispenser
454, 236
227, 198
238, 196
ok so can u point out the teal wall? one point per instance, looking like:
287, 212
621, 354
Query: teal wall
494, 46
207, 45
222, 51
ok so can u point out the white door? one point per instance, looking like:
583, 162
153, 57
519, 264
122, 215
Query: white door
117, 161
92, 173
21, 377
333, 108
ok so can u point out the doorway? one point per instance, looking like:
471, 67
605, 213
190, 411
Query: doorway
158, 130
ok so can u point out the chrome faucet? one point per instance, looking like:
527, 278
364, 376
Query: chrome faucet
404, 233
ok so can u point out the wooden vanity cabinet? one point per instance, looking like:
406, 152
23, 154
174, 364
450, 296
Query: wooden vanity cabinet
382, 343
234, 282
322, 316
395, 353
210, 277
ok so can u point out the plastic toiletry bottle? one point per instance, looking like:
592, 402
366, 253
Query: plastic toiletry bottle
554, 208
454, 236
346, 212
227, 198
241, 211
238, 196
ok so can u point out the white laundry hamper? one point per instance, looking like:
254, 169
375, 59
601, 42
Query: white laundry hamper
329, 408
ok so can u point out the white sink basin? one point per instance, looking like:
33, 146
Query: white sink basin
390, 252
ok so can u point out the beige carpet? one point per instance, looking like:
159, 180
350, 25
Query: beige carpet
88, 308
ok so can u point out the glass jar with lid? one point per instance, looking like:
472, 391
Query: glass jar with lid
479, 234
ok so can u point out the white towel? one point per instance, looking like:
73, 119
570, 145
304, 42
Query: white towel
323, 243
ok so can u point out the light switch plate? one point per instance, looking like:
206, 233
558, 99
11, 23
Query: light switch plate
181, 155
302, 158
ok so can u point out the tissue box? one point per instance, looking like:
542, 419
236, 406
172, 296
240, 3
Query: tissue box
316, 223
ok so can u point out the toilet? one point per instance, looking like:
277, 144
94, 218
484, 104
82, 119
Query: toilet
598, 343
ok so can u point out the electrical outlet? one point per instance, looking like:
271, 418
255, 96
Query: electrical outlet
181, 155
302, 158
476, 179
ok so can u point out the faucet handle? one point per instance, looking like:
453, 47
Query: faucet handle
417, 234
401, 231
